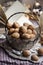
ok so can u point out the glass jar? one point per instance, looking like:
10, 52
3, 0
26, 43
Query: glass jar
20, 43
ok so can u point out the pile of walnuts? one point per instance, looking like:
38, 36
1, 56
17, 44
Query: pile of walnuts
26, 31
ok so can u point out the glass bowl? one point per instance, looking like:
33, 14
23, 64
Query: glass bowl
20, 43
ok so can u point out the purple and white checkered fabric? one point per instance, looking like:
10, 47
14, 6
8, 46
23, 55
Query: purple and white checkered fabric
5, 59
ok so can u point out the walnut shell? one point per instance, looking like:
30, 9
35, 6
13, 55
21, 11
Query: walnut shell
40, 51
16, 29
34, 57
26, 53
11, 30
23, 29
29, 31
9, 25
31, 27
16, 25
15, 35
32, 36
26, 36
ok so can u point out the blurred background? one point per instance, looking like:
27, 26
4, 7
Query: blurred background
9, 2
27, 1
